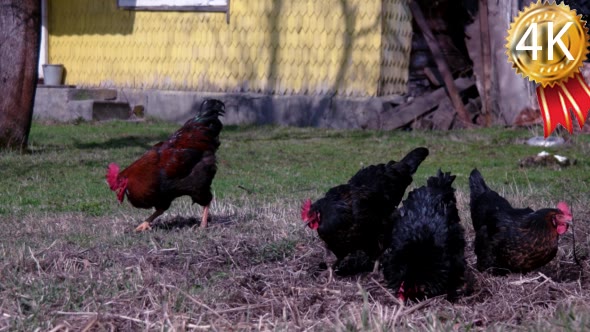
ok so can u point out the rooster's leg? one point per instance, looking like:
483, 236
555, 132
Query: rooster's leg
205, 216
146, 225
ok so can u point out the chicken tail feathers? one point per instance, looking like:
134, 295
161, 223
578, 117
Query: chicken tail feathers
211, 109
414, 158
477, 185
207, 120
441, 180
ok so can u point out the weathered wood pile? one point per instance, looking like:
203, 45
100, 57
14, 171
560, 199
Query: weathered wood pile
439, 57
433, 110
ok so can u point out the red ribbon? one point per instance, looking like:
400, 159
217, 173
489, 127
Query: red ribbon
557, 101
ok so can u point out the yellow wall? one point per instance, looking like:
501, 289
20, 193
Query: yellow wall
284, 47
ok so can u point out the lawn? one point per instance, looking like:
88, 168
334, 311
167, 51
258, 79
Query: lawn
69, 259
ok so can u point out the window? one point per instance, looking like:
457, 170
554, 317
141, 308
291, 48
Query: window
176, 5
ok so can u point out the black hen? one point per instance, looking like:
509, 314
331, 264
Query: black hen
426, 255
509, 239
354, 218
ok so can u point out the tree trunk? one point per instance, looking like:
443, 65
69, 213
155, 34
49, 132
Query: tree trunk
19, 55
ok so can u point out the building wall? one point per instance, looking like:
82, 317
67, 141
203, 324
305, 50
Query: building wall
396, 46
304, 47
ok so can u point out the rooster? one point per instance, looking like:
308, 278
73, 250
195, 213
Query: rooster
185, 164
426, 254
354, 218
509, 239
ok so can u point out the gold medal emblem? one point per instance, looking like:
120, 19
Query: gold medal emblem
547, 43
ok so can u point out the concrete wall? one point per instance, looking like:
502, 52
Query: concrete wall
327, 111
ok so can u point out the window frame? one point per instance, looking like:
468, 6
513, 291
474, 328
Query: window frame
125, 4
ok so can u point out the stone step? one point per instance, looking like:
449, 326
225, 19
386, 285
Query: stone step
110, 110
92, 94
93, 110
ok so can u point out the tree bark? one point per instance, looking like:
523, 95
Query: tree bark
20, 25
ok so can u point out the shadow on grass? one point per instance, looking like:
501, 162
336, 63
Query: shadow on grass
179, 222
144, 142
268, 133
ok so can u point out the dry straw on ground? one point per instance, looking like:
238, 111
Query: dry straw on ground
256, 268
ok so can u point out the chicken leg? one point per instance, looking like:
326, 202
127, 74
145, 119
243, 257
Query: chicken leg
330, 268
376, 266
205, 216
146, 225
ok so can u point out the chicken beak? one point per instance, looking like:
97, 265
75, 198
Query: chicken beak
120, 195
562, 220
562, 223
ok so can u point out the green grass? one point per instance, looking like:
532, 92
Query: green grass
65, 170
67, 250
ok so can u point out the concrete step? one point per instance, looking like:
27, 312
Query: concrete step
92, 94
110, 110
67, 103
92, 110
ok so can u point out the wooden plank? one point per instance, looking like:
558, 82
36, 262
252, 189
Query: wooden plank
441, 64
444, 116
402, 115
432, 77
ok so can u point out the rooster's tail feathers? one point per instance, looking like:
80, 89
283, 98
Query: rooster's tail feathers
211, 109
414, 158
477, 185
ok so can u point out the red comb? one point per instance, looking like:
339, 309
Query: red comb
562, 206
112, 175
305, 209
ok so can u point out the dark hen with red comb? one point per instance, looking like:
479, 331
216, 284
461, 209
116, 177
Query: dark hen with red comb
354, 218
509, 239
185, 164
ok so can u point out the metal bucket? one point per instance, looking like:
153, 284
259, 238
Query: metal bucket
53, 74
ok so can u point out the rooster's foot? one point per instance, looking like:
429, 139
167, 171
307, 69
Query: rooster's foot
144, 226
